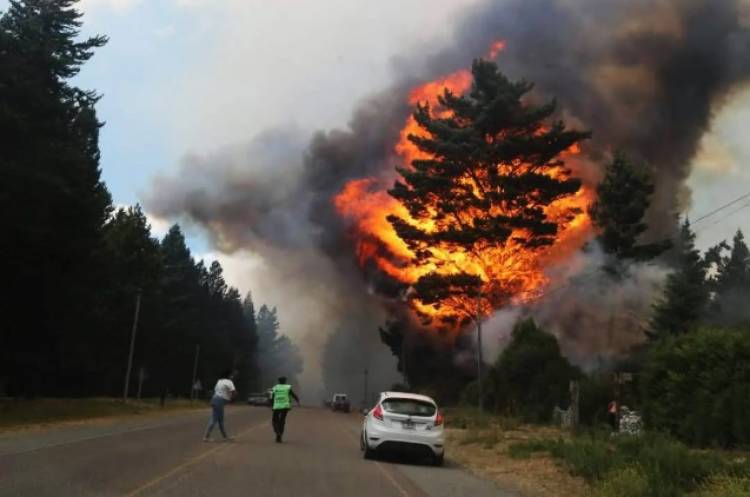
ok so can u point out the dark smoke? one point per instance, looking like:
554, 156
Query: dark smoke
645, 75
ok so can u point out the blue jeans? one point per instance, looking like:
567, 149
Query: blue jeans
217, 416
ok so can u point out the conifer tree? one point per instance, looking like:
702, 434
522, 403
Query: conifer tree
494, 166
731, 283
623, 198
686, 293
53, 203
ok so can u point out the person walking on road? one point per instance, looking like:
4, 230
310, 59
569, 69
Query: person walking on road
281, 402
224, 392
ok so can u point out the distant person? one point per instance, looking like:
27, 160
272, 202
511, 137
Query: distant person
612, 414
281, 403
224, 392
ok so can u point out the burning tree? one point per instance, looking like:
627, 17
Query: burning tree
485, 191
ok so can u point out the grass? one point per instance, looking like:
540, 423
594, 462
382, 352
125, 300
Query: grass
19, 413
726, 486
481, 428
650, 465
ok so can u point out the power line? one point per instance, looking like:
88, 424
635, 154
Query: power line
723, 218
719, 209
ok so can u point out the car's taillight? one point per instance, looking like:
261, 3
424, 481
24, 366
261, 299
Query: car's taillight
439, 419
377, 413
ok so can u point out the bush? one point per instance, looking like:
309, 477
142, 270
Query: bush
628, 481
596, 392
651, 465
697, 387
726, 486
531, 376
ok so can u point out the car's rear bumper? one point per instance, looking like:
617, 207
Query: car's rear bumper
387, 440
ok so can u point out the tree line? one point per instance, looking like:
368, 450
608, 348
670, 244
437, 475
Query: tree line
74, 265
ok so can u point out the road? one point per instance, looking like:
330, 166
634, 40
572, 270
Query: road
165, 456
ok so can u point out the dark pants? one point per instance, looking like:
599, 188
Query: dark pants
279, 420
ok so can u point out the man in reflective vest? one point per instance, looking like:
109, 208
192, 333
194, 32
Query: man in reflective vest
281, 400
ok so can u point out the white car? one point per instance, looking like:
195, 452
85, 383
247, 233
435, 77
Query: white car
404, 422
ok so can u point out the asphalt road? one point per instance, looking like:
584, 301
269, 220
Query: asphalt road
165, 456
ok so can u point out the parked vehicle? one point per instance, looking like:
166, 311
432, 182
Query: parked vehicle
340, 402
404, 422
259, 399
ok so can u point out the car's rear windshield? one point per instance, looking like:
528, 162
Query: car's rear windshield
340, 397
412, 407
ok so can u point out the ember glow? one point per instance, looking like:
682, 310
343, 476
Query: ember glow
511, 273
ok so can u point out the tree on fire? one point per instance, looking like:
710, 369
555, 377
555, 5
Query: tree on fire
493, 169
623, 197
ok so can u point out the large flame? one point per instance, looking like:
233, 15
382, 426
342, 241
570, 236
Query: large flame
511, 273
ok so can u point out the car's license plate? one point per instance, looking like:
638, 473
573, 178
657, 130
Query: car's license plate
409, 425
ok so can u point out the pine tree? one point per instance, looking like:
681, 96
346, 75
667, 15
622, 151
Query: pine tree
686, 293
623, 198
133, 265
53, 203
731, 283
494, 166
277, 354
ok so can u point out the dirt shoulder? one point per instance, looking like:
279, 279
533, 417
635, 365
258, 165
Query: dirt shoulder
25, 415
484, 452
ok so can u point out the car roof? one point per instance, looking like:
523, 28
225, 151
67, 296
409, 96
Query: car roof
339, 395
404, 395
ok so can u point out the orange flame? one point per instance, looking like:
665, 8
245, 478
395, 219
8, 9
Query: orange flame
509, 270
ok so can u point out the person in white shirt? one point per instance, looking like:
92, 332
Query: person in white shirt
224, 392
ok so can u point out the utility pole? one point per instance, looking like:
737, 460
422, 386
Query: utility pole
132, 345
364, 401
195, 372
403, 361
141, 377
479, 350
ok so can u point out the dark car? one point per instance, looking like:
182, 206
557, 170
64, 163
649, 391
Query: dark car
340, 402
259, 399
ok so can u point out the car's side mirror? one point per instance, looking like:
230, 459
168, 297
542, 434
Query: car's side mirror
365, 411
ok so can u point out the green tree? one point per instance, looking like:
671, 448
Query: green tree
531, 376
697, 386
494, 166
53, 203
623, 198
730, 283
133, 265
277, 354
686, 293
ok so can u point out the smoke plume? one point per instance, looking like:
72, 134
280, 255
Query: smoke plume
646, 76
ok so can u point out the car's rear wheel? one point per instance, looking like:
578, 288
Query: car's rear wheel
438, 460
367, 452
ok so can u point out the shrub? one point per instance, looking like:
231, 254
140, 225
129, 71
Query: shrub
697, 387
628, 481
531, 376
596, 392
726, 486
625, 466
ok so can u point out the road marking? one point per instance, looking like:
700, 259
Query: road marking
392, 479
190, 462
382, 469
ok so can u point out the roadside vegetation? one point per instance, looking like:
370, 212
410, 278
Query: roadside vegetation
21, 413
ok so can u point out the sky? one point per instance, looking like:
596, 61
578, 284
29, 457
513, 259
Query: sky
182, 77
